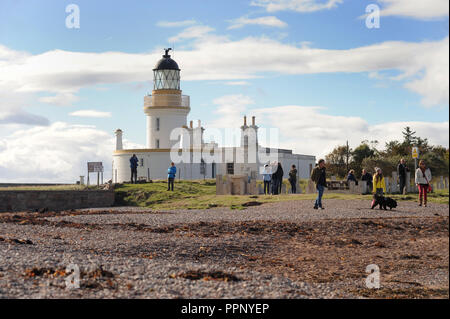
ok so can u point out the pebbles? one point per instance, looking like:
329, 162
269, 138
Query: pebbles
277, 250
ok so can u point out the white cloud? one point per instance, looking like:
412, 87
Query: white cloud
296, 5
419, 9
237, 83
57, 153
423, 66
308, 130
193, 32
269, 21
22, 117
176, 24
230, 110
61, 99
90, 113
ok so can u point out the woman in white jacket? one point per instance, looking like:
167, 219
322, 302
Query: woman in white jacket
423, 179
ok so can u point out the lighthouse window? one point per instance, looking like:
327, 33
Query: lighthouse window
142, 162
157, 143
230, 168
166, 79
157, 123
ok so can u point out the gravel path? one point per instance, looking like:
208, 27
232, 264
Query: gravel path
276, 250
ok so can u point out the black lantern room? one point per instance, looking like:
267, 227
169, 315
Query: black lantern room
166, 74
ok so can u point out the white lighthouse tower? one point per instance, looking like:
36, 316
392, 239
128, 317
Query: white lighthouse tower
166, 111
166, 108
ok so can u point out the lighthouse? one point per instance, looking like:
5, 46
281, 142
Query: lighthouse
170, 139
166, 108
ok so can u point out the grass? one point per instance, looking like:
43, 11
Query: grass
201, 194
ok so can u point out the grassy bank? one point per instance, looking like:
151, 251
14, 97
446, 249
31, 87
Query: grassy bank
201, 194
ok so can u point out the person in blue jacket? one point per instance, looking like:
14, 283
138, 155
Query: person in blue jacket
171, 172
133, 165
351, 177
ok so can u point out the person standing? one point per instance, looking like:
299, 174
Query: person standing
171, 172
280, 174
267, 177
133, 165
402, 169
366, 176
422, 180
293, 179
274, 180
318, 176
379, 185
351, 177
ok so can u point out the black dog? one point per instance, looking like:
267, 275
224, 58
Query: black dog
383, 202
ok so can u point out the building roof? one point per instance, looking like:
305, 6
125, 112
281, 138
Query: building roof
166, 63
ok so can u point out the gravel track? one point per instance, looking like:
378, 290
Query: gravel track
276, 250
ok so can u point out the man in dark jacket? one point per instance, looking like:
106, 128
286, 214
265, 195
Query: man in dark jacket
133, 165
402, 169
318, 176
274, 179
293, 179
366, 176
280, 174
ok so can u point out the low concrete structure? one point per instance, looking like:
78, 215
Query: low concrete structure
236, 185
31, 200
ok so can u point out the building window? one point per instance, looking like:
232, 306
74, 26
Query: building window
142, 162
230, 168
157, 123
157, 143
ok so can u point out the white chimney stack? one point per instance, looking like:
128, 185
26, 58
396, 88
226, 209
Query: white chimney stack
119, 145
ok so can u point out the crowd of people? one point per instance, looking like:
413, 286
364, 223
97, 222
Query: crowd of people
376, 183
273, 179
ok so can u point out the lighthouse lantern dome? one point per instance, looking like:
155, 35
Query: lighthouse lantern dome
166, 74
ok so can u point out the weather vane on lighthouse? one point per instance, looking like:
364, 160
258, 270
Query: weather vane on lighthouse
167, 52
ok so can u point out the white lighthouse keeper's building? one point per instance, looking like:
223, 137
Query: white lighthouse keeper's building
166, 111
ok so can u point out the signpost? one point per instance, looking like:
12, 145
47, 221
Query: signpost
95, 167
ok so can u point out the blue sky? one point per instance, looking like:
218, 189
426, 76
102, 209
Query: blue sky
344, 76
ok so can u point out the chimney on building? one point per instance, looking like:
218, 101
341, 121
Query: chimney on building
253, 120
245, 120
199, 123
119, 145
191, 124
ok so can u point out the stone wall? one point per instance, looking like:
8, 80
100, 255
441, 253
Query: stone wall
31, 200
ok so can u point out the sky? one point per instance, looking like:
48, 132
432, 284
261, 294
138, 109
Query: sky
321, 71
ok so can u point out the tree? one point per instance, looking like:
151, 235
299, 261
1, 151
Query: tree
408, 136
359, 154
367, 156
395, 148
336, 161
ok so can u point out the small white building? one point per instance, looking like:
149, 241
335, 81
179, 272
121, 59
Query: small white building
169, 139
